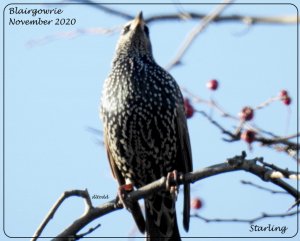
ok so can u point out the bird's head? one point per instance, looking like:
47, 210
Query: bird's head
134, 39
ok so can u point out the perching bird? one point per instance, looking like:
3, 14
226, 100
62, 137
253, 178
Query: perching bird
145, 129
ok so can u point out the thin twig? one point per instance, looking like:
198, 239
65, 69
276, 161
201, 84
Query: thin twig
79, 236
94, 131
106, 9
267, 102
196, 31
71, 35
280, 173
262, 188
211, 103
249, 20
297, 203
233, 136
251, 220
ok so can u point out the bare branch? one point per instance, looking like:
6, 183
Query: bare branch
236, 163
276, 142
249, 20
266, 138
78, 193
251, 220
88, 217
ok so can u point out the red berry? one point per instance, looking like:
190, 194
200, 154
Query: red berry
212, 84
248, 136
189, 109
287, 100
196, 203
283, 94
246, 114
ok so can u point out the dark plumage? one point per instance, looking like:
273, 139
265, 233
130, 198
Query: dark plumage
145, 128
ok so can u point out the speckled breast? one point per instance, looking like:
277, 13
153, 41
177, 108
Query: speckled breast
139, 112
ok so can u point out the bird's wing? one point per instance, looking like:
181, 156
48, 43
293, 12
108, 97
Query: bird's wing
185, 164
184, 160
135, 208
114, 169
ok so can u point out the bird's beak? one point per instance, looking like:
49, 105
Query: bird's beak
139, 20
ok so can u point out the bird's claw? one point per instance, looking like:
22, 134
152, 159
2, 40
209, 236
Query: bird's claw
122, 195
172, 183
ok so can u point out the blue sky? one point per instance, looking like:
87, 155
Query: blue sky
52, 95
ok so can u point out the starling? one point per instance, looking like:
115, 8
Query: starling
145, 129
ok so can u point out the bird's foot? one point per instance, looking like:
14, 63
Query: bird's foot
122, 195
132, 207
172, 183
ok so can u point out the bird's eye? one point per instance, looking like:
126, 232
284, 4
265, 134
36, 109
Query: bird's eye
126, 29
146, 30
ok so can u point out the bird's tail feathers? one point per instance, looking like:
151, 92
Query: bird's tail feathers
138, 216
161, 221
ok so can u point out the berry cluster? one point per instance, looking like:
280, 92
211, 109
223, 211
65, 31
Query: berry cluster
284, 97
246, 113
